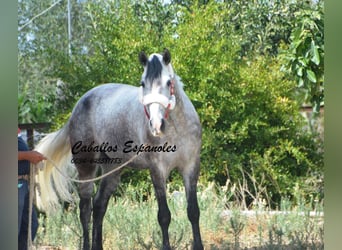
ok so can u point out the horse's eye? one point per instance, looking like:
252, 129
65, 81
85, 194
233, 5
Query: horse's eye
143, 84
168, 83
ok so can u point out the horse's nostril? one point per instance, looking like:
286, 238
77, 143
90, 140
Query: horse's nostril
162, 126
150, 123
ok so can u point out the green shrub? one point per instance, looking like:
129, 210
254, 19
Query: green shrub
248, 108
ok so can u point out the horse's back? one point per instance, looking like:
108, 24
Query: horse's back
102, 105
109, 92
104, 97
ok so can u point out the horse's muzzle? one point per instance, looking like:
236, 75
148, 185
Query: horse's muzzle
157, 126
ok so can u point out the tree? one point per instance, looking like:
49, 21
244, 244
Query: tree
304, 56
42, 33
34, 102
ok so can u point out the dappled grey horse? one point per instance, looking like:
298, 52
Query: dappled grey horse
156, 123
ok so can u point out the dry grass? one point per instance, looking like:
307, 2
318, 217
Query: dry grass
131, 224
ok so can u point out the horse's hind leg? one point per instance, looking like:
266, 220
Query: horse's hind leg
85, 213
100, 203
85, 192
190, 181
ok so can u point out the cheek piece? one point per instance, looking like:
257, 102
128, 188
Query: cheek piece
168, 103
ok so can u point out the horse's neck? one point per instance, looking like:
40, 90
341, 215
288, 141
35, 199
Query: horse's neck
180, 112
179, 94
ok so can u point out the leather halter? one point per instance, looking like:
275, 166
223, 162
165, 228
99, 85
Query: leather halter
168, 103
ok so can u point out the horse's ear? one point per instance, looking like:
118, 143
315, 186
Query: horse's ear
166, 56
143, 58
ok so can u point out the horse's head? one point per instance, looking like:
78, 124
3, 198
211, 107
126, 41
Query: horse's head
157, 89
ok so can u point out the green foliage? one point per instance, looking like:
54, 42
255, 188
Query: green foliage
269, 128
33, 110
42, 28
247, 108
304, 57
117, 31
260, 25
34, 102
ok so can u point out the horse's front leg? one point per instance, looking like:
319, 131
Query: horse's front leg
164, 215
190, 179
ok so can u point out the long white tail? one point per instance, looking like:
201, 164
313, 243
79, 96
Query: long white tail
53, 186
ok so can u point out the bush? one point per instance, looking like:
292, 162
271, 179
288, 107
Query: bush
248, 109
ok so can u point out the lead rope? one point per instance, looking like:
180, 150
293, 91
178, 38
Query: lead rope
32, 185
92, 179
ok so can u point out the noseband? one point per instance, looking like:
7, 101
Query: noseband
168, 103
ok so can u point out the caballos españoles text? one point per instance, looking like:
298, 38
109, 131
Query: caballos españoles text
128, 147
